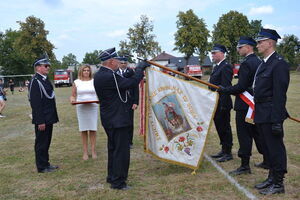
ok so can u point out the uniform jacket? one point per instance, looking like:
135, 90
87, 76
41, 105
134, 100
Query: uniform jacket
43, 109
133, 92
222, 75
115, 113
246, 75
271, 81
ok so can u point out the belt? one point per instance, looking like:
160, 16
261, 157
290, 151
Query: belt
263, 99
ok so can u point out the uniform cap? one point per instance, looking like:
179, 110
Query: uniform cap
265, 34
43, 60
219, 48
244, 40
108, 54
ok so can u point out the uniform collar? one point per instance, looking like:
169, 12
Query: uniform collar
221, 61
43, 76
267, 58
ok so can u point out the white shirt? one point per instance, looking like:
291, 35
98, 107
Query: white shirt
85, 90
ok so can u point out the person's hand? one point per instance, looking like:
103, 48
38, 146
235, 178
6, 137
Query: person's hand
277, 129
134, 106
41, 127
143, 64
220, 89
72, 99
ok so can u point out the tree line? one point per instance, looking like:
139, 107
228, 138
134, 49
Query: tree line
19, 48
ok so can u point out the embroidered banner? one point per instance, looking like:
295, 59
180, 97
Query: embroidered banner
179, 115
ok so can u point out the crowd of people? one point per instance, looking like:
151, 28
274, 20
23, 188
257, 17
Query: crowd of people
116, 88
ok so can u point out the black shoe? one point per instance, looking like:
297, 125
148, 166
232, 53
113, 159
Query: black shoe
46, 170
53, 167
273, 189
262, 165
226, 157
241, 170
217, 155
125, 187
268, 182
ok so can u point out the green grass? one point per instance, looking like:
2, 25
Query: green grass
150, 178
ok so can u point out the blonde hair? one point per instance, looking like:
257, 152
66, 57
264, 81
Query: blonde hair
80, 71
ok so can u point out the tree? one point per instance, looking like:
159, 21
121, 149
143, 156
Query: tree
92, 58
228, 30
191, 36
10, 57
255, 26
69, 60
32, 41
141, 41
289, 48
125, 51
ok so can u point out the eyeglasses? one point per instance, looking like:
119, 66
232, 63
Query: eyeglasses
47, 66
123, 62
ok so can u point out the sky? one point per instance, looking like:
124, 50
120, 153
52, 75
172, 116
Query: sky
82, 26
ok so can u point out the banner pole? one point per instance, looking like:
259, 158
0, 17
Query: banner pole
195, 79
182, 74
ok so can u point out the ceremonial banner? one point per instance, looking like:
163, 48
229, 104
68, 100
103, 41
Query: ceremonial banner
179, 115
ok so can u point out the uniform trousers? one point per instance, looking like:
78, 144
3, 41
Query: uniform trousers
246, 132
42, 145
275, 149
222, 123
118, 156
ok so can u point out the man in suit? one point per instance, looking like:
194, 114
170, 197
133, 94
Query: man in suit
132, 92
270, 86
44, 113
115, 112
246, 132
222, 75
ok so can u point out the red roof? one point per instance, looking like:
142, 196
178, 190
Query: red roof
162, 56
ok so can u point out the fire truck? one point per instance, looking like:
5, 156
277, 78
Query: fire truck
63, 77
193, 70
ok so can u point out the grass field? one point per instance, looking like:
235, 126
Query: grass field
150, 178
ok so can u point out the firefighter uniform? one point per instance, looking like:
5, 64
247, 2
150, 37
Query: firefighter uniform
115, 112
270, 87
42, 101
246, 132
222, 75
133, 94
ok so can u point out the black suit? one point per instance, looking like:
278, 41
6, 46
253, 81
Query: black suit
115, 112
222, 75
43, 112
133, 97
271, 84
246, 132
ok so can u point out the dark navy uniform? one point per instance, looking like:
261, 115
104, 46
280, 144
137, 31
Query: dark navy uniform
133, 98
222, 75
270, 85
246, 132
43, 112
115, 112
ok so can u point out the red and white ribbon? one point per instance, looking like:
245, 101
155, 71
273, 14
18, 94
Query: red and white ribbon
249, 100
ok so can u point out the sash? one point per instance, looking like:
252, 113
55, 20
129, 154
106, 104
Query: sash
248, 99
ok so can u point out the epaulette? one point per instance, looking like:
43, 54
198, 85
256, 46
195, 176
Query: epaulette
279, 57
